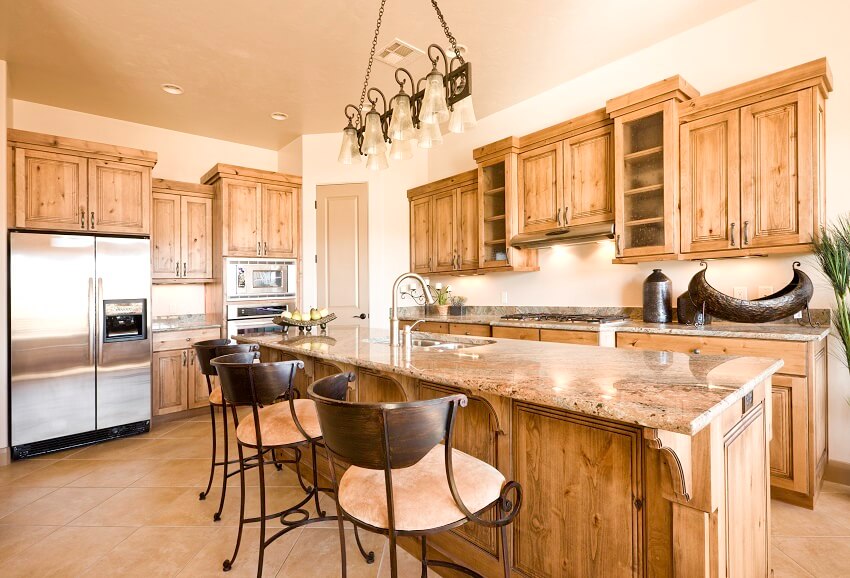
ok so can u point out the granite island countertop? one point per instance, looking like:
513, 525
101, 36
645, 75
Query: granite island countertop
775, 331
183, 322
670, 391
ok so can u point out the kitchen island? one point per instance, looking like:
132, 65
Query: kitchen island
633, 463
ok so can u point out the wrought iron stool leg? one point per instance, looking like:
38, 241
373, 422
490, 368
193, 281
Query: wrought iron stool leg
368, 556
205, 493
224, 465
506, 560
319, 510
424, 557
228, 564
261, 470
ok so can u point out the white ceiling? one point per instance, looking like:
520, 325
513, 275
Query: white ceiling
240, 60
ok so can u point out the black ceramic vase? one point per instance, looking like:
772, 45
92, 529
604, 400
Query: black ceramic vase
657, 298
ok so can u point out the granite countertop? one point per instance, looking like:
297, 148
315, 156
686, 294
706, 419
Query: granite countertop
670, 391
776, 331
181, 322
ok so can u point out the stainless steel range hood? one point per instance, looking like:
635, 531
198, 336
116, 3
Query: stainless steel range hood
573, 235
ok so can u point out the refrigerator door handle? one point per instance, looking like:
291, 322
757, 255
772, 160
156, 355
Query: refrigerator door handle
99, 337
92, 313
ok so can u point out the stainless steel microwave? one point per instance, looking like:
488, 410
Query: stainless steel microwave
261, 278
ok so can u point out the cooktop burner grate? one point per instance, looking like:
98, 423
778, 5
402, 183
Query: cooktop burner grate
566, 317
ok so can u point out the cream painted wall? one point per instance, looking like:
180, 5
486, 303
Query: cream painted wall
388, 213
757, 39
182, 157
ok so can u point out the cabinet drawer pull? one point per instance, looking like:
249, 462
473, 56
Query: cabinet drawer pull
732, 234
82, 219
92, 219
746, 232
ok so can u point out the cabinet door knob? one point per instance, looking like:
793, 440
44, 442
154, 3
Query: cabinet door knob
732, 234
697, 352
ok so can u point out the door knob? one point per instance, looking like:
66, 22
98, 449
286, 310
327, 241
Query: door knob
361, 316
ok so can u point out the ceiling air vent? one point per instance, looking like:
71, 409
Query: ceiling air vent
399, 54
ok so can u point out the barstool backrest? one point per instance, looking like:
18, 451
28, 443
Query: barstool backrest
382, 436
244, 382
206, 351
333, 386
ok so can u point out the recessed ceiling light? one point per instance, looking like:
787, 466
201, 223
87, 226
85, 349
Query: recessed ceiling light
280, 116
172, 88
460, 48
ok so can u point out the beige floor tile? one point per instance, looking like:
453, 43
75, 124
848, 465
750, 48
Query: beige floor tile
141, 507
170, 449
785, 567
833, 488
112, 473
408, 565
159, 430
153, 552
11, 472
193, 429
316, 554
65, 552
175, 473
788, 520
822, 557
12, 499
57, 474
113, 450
59, 507
15, 539
209, 560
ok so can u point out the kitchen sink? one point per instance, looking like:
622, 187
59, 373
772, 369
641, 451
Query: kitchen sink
438, 344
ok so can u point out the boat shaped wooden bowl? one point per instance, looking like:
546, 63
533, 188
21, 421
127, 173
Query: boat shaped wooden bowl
304, 325
787, 301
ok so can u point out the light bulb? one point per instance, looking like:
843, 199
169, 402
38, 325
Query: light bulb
377, 161
434, 107
401, 123
429, 135
373, 137
349, 152
401, 150
463, 116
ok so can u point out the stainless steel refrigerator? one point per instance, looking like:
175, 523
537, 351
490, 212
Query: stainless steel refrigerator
80, 347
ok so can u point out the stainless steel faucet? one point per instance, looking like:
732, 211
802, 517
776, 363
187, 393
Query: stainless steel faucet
394, 335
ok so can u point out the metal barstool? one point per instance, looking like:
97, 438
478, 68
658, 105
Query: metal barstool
402, 481
205, 351
290, 425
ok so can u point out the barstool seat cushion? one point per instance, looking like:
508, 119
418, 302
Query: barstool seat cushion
277, 426
216, 398
421, 493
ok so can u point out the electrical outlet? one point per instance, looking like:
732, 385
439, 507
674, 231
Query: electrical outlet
504, 297
740, 293
765, 290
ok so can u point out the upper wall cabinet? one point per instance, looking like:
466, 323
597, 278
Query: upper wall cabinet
259, 211
752, 165
541, 180
646, 162
182, 235
64, 184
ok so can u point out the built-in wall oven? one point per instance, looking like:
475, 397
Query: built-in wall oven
255, 319
261, 278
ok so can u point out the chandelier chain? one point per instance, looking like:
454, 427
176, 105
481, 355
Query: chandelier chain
446, 30
371, 57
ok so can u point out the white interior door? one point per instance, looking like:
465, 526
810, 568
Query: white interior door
343, 256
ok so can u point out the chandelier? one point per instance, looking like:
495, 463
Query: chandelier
378, 128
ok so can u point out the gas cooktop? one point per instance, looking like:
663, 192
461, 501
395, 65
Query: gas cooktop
566, 318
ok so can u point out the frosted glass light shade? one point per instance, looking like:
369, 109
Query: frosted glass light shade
462, 116
377, 161
401, 150
401, 124
434, 107
349, 152
429, 135
373, 137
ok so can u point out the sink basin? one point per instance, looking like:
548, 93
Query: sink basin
434, 344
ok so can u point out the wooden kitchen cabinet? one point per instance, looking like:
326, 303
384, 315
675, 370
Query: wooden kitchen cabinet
176, 379
64, 184
525, 333
427, 326
421, 235
798, 450
445, 231
471, 329
568, 336
182, 235
541, 188
259, 211
752, 165
588, 162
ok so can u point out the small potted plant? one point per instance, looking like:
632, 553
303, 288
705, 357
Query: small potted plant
442, 297
457, 306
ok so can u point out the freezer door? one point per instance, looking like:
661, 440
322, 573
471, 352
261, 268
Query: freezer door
124, 365
52, 317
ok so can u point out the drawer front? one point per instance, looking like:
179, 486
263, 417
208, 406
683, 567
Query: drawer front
517, 333
166, 340
793, 353
473, 329
574, 337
